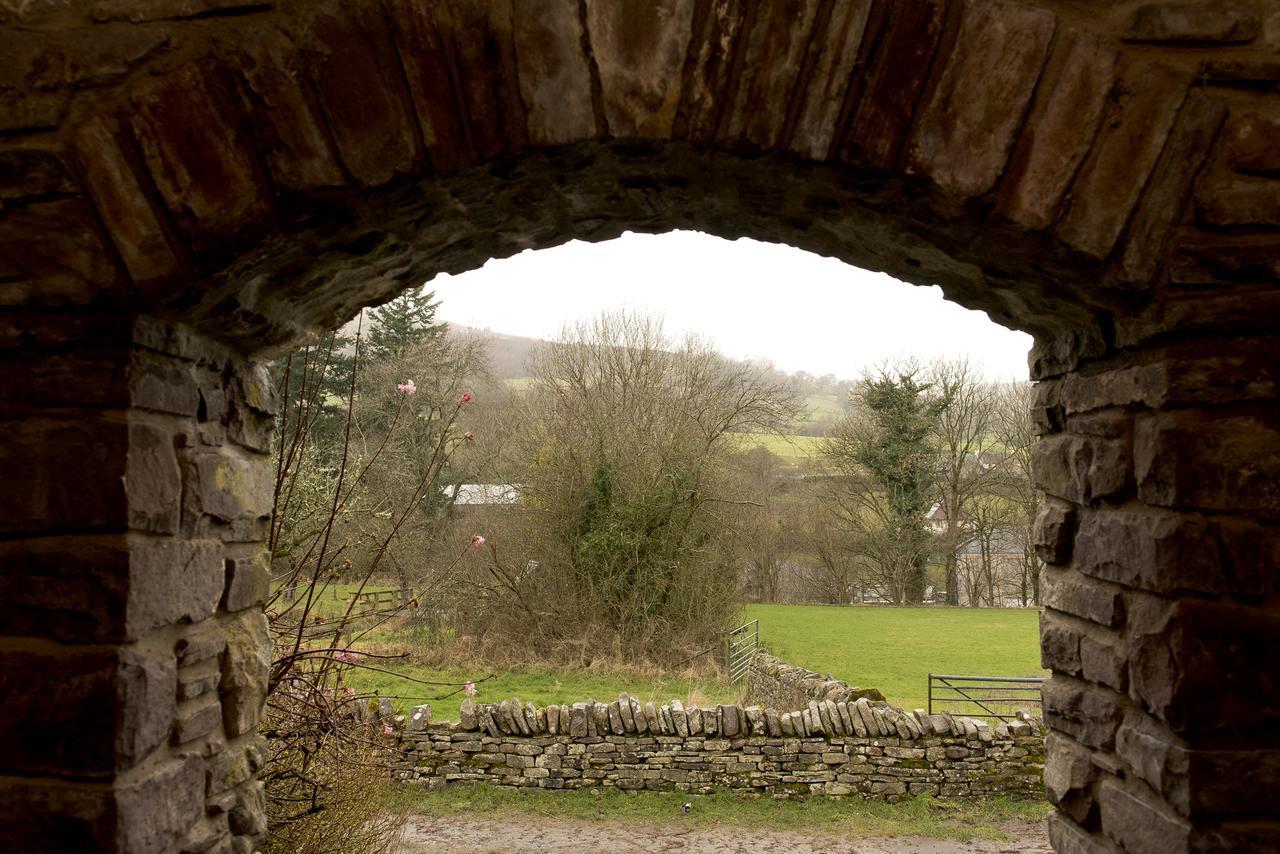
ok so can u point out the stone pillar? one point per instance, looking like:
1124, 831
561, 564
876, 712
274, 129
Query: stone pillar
1161, 621
135, 650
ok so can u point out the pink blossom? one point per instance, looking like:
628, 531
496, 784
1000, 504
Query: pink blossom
345, 655
387, 730
466, 397
478, 540
407, 387
468, 435
469, 689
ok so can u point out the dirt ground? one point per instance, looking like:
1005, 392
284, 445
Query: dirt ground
458, 835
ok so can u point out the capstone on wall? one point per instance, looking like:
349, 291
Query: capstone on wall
833, 749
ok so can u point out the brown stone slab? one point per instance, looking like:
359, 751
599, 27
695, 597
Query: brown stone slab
199, 160
1179, 21
363, 96
894, 78
416, 28
484, 45
706, 87
293, 141
640, 49
1197, 257
1059, 131
773, 53
1166, 197
1253, 143
1235, 202
1165, 200
132, 223
51, 254
555, 80
824, 94
966, 129
25, 173
1143, 107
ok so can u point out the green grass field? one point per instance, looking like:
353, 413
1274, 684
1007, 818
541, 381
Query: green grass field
791, 448
925, 816
895, 649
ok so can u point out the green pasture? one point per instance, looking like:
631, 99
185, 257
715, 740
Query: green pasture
925, 816
895, 649
791, 448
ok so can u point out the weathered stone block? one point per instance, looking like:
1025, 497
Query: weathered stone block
1082, 468
640, 53
895, 75
1137, 821
363, 98
771, 56
1209, 461
1059, 131
824, 94
244, 671
1142, 111
555, 82
1087, 713
1191, 22
965, 131
131, 221
1204, 666
1165, 197
172, 580
198, 161
1080, 597
1149, 549
1055, 530
1253, 143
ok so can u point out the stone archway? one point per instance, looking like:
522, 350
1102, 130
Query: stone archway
188, 184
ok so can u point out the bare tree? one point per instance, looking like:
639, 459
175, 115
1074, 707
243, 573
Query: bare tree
832, 574
1017, 435
762, 529
965, 436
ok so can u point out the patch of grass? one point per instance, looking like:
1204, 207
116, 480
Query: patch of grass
791, 448
895, 649
921, 816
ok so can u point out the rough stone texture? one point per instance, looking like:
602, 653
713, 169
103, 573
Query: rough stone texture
263, 171
962, 139
145, 589
640, 50
772, 683
1060, 130
820, 761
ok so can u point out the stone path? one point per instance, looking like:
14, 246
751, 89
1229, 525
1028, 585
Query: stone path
454, 835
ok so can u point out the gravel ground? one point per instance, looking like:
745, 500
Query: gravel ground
455, 835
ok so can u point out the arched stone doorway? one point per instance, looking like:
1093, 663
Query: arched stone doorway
189, 184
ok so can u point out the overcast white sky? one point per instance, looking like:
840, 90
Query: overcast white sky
753, 299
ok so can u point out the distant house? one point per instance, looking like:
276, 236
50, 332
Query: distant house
992, 564
479, 503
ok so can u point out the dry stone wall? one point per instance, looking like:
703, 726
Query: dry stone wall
835, 749
772, 683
